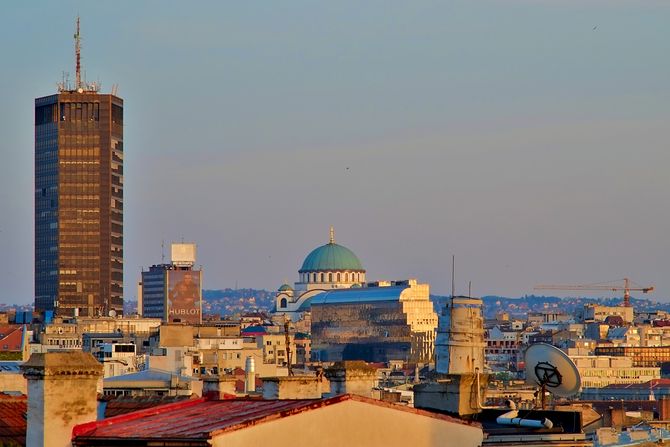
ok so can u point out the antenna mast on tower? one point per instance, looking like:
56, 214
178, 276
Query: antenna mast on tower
77, 50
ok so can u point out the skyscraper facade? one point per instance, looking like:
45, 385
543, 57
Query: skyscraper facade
79, 200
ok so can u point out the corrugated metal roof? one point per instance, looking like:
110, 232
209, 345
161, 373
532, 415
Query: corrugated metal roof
201, 419
117, 406
358, 295
13, 419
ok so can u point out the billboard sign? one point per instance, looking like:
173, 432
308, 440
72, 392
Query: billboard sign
184, 296
183, 254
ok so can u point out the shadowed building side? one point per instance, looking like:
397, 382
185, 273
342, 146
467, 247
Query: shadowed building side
376, 323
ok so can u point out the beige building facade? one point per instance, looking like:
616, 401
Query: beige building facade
598, 371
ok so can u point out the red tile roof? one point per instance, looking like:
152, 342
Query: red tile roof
11, 337
13, 419
8, 328
202, 418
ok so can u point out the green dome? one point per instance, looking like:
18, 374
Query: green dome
331, 257
285, 288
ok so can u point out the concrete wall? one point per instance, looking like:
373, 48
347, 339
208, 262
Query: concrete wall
293, 387
13, 382
354, 423
176, 335
62, 391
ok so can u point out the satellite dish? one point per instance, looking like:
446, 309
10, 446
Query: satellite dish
112, 313
551, 369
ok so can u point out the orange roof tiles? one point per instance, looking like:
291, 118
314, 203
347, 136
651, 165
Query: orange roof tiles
11, 337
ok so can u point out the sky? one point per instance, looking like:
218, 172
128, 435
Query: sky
527, 138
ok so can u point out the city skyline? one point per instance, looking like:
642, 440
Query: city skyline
525, 138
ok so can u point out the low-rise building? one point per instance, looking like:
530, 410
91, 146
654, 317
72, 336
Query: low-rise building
337, 421
596, 312
601, 371
503, 349
152, 382
646, 356
118, 359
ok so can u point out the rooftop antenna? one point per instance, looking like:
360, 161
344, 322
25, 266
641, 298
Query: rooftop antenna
470, 289
163, 251
77, 50
332, 235
453, 275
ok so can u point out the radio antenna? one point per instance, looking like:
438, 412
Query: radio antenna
77, 50
453, 275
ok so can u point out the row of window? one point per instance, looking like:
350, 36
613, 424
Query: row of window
337, 277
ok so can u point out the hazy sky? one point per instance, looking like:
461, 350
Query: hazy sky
528, 138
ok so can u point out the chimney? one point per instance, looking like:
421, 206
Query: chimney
459, 383
218, 387
664, 409
292, 387
250, 375
352, 377
62, 392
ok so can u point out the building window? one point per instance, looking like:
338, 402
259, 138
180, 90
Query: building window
282, 303
117, 114
330, 277
338, 278
320, 277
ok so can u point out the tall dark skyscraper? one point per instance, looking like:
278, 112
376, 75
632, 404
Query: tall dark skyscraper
79, 199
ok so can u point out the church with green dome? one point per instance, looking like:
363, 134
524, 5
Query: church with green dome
330, 266
352, 319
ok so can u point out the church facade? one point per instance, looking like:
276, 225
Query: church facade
352, 319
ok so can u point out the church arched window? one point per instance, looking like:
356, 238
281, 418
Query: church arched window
346, 277
282, 303
330, 277
338, 278
320, 277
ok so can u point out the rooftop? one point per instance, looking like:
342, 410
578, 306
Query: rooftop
362, 294
201, 419
13, 420
148, 375
116, 406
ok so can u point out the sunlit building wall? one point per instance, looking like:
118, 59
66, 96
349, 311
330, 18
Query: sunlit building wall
376, 323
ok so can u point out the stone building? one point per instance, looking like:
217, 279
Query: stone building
377, 323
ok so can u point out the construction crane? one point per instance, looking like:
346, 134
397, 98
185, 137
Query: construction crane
611, 286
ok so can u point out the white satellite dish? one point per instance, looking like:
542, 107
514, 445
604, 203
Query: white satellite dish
552, 370
112, 313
